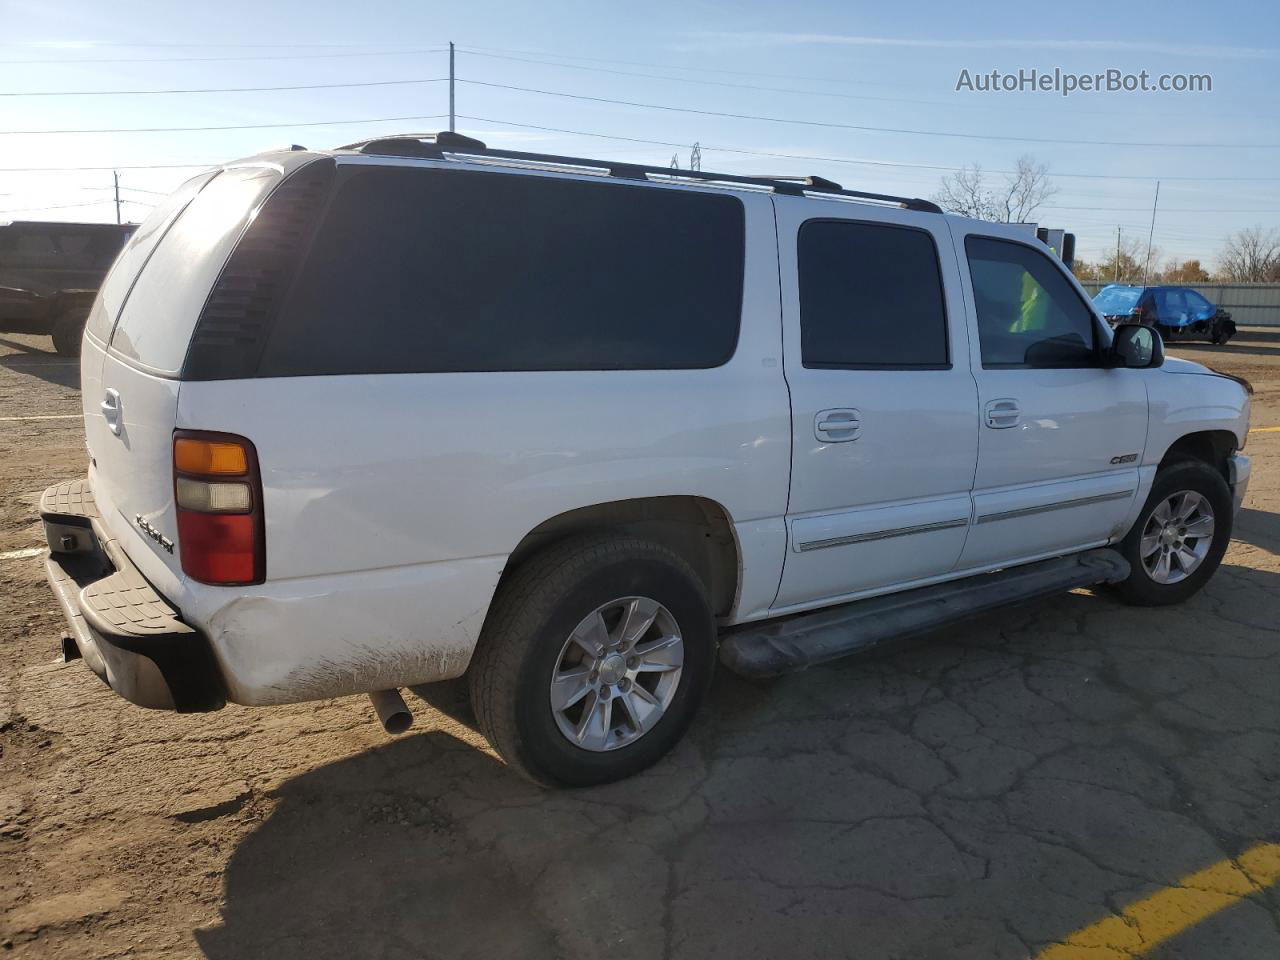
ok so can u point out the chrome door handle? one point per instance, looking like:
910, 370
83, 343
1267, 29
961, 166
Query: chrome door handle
837, 425
1002, 414
110, 408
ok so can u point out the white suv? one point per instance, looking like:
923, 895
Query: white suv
417, 408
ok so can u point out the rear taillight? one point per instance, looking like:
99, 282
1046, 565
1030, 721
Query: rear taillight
1137, 313
218, 493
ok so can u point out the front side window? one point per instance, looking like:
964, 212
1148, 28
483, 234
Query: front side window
1198, 304
1029, 315
870, 296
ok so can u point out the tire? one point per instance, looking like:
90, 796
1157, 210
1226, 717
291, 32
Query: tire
527, 639
1143, 587
68, 328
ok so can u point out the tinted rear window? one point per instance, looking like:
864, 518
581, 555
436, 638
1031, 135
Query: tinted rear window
162, 308
435, 271
1116, 300
870, 296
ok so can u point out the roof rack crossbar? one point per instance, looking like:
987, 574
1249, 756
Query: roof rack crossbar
436, 146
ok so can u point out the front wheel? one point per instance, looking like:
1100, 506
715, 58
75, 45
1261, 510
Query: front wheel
1180, 536
594, 657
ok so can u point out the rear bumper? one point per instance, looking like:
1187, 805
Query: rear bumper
128, 634
1238, 479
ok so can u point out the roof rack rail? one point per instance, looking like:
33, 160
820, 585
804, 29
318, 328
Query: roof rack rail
435, 146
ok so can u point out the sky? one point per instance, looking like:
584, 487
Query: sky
861, 93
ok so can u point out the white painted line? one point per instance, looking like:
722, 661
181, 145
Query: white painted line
54, 416
20, 554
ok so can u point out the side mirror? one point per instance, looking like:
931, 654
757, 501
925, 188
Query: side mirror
1136, 346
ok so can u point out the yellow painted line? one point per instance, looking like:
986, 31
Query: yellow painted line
1265, 430
1148, 923
54, 416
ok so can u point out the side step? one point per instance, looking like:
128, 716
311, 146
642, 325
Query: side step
777, 647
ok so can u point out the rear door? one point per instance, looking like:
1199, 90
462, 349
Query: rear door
131, 404
884, 409
1061, 435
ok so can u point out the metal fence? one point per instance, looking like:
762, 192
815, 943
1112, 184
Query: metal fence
1250, 304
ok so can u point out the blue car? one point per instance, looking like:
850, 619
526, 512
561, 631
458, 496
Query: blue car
1179, 313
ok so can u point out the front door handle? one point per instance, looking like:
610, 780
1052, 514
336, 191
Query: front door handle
837, 425
110, 408
1002, 414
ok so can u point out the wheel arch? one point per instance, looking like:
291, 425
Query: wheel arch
699, 529
1213, 447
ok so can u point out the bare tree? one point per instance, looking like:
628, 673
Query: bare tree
1015, 199
1251, 256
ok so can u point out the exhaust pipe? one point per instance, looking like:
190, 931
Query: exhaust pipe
392, 710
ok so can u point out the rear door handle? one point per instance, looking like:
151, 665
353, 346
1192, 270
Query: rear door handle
837, 425
1002, 414
110, 408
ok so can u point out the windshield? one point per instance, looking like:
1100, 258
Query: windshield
1116, 299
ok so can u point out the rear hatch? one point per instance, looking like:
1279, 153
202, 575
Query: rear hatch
136, 342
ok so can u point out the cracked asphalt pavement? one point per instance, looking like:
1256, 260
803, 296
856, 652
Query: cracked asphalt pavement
985, 792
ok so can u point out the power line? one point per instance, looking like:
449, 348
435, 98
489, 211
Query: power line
714, 83
843, 160
129, 93
297, 56
668, 66
957, 102
242, 126
830, 124
154, 193
114, 166
59, 206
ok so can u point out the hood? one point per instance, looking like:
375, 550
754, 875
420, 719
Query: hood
1178, 365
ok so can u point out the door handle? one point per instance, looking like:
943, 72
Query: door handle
1002, 414
110, 408
838, 425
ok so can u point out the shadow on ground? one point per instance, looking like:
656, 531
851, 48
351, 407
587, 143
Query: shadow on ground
48, 365
979, 795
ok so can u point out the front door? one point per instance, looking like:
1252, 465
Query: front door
884, 409
1061, 435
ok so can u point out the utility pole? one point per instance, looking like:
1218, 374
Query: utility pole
1117, 276
115, 176
1155, 203
450, 86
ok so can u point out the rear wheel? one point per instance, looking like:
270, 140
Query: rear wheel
593, 660
68, 328
1180, 536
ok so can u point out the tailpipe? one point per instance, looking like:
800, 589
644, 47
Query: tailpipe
392, 710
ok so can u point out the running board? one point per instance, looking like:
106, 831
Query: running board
777, 647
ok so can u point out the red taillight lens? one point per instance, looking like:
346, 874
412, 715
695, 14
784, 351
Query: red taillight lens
218, 496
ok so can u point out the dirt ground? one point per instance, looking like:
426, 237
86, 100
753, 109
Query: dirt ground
985, 793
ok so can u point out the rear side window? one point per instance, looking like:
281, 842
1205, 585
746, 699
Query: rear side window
438, 271
870, 296
141, 244
1029, 315
161, 310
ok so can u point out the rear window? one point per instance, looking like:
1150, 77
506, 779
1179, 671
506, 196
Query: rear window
1115, 301
434, 271
161, 311
120, 279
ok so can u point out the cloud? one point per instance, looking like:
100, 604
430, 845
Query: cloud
758, 39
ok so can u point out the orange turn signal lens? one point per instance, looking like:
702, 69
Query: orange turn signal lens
209, 457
